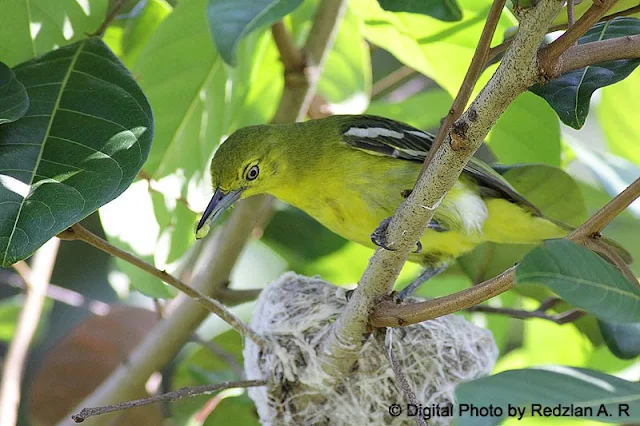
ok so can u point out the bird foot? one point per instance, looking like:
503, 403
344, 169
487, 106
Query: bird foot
435, 226
379, 237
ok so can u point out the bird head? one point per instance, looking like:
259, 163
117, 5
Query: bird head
247, 163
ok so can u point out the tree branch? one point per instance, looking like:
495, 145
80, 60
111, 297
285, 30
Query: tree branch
516, 72
78, 232
108, 19
625, 12
165, 397
220, 253
476, 67
550, 53
612, 49
36, 280
391, 314
559, 318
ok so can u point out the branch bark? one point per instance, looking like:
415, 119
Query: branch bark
220, 254
612, 49
390, 314
36, 280
517, 71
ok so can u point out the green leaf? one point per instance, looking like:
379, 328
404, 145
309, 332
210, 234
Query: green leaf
34, 27
600, 396
615, 113
570, 94
622, 339
13, 96
346, 79
231, 20
583, 279
83, 140
527, 132
444, 10
128, 34
421, 42
187, 85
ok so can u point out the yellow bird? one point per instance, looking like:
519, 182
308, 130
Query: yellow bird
351, 172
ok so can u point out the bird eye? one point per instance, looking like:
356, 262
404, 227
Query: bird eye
253, 172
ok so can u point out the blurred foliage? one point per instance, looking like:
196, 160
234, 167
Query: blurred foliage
400, 59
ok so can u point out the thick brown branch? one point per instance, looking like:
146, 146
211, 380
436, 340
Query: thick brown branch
78, 232
577, 57
165, 397
390, 314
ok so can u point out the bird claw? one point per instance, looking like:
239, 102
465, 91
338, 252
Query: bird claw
379, 237
348, 295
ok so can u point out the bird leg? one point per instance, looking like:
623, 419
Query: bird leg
379, 236
428, 273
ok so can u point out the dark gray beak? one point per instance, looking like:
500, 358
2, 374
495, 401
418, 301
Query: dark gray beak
219, 203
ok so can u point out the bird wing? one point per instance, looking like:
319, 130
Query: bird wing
385, 137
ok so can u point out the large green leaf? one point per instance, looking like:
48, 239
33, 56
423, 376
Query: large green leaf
616, 116
13, 96
444, 10
127, 35
570, 94
440, 50
622, 339
32, 27
231, 20
599, 396
527, 132
346, 78
583, 279
83, 140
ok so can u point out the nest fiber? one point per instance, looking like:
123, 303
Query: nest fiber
296, 313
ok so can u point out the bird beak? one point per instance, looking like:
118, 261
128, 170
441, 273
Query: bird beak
218, 204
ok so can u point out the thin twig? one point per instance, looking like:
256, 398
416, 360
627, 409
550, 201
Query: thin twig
570, 13
78, 232
625, 12
390, 314
596, 223
221, 353
391, 79
471, 77
401, 378
108, 19
165, 397
560, 318
550, 53
36, 280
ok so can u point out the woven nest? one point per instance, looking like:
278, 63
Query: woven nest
297, 312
